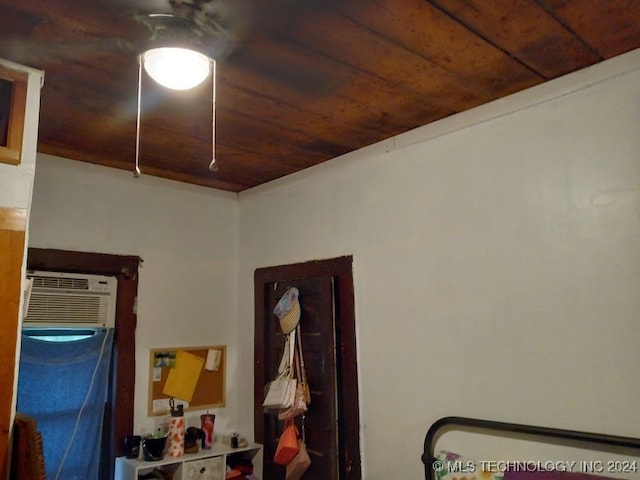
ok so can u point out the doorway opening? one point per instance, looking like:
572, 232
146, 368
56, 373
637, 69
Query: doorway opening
327, 324
118, 416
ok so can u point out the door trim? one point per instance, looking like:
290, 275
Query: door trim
13, 226
340, 269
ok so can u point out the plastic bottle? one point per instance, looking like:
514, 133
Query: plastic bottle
176, 431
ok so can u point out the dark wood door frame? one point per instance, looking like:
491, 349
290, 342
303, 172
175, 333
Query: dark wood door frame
341, 270
119, 415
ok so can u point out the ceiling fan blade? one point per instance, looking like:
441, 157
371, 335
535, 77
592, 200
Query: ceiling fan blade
141, 6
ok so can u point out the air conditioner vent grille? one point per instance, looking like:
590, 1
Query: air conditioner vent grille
72, 308
58, 299
66, 283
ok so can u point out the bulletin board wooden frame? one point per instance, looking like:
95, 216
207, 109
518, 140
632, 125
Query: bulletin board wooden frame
210, 389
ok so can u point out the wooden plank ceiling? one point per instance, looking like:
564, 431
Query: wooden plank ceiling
298, 82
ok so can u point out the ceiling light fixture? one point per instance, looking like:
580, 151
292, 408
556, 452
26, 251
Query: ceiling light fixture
177, 68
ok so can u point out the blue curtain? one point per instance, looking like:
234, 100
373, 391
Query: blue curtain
63, 385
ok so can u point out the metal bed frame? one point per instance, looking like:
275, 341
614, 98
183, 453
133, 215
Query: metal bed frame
597, 441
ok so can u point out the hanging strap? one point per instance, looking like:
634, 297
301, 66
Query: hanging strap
286, 362
297, 360
292, 347
283, 360
303, 378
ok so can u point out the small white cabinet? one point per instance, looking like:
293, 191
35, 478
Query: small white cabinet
205, 465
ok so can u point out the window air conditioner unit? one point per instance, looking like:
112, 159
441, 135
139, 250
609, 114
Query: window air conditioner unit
70, 300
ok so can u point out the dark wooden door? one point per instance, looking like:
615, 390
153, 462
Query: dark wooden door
318, 342
328, 341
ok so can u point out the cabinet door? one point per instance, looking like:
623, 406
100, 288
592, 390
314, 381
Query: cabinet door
206, 469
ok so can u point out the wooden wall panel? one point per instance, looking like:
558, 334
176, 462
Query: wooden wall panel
301, 82
13, 222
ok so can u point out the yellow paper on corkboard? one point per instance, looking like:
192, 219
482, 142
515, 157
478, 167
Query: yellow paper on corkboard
182, 380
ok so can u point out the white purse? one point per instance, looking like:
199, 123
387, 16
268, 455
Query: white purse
281, 392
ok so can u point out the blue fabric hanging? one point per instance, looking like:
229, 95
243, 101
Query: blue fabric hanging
63, 385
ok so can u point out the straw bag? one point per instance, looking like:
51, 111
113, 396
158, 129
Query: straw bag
288, 310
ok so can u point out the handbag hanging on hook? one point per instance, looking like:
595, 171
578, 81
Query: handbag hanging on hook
299, 405
301, 462
281, 391
287, 447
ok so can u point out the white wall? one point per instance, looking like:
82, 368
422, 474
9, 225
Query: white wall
187, 237
496, 262
496, 257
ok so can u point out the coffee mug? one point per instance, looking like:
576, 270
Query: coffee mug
132, 445
153, 448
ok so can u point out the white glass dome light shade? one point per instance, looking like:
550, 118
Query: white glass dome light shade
176, 68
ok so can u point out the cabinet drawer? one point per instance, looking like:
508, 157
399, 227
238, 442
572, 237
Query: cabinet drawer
206, 469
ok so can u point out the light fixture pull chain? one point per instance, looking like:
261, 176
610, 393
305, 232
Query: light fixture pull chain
213, 166
136, 172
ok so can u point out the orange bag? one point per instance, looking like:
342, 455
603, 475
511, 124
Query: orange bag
287, 447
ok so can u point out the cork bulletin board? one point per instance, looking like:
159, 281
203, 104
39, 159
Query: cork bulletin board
186, 370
